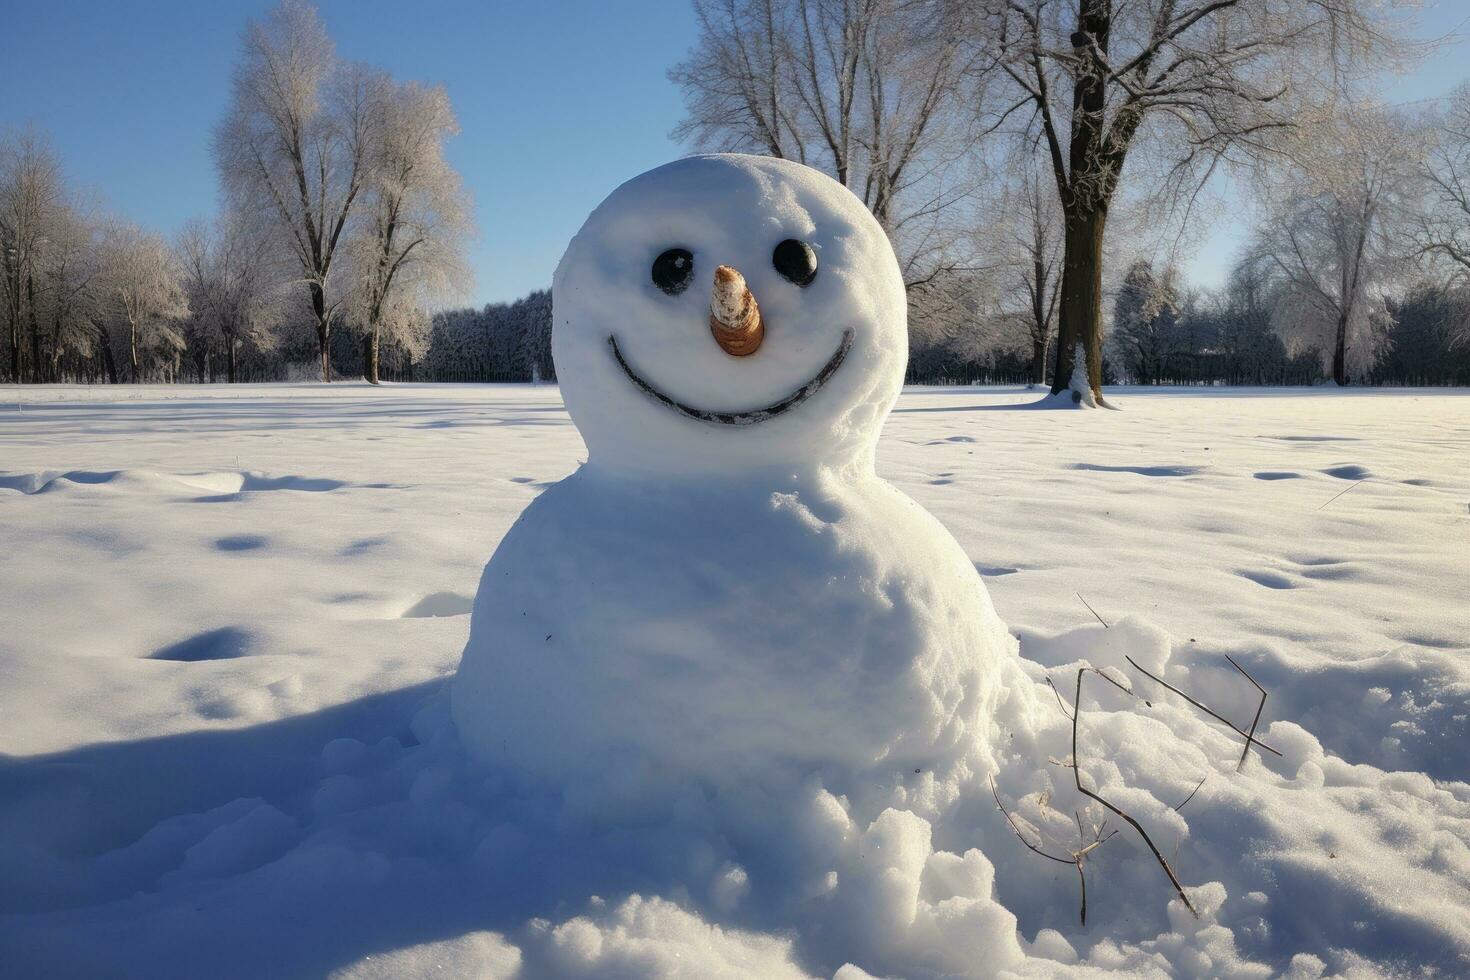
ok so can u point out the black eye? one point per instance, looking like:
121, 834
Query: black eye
796, 261
672, 270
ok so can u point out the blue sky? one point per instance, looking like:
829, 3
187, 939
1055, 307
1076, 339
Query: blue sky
558, 102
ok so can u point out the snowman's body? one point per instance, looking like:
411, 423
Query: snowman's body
726, 587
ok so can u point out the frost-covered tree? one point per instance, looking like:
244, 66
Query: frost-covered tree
1427, 340
1187, 83
230, 283
32, 197
869, 91
1145, 319
142, 293
1441, 221
295, 144
1338, 236
70, 305
1252, 351
408, 247
1032, 241
500, 341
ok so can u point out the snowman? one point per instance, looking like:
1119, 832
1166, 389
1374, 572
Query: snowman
726, 590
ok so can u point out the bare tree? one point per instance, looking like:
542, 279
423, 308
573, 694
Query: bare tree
1199, 81
295, 144
140, 284
865, 90
1441, 222
409, 246
1338, 237
71, 268
736, 81
1246, 336
1146, 312
228, 279
1033, 241
31, 196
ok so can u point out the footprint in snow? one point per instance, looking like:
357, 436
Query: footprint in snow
225, 643
1139, 470
1313, 560
1348, 471
1270, 580
240, 542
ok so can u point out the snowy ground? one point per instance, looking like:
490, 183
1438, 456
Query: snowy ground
226, 616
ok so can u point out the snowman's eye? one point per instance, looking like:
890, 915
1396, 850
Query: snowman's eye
796, 261
673, 270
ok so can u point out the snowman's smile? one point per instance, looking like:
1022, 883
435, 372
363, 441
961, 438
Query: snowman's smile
749, 416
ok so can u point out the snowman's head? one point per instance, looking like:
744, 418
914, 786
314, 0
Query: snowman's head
728, 312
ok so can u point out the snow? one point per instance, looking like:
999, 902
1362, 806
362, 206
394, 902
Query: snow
732, 210
728, 609
230, 618
630, 637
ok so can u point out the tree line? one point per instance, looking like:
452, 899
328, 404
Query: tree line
1037, 165
1248, 332
1026, 155
339, 209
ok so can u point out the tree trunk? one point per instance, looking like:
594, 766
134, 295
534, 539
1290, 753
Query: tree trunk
323, 329
12, 309
133, 350
370, 355
230, 357
107, 357
1339, 351
35, 329
1040, 327
1080, 313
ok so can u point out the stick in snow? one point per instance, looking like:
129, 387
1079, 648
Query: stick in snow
1252, 736
1094, 611
1077, 777
1336, 495
1218, 717
1076, 858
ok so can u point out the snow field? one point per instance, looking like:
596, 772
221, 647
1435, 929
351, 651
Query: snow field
229, 617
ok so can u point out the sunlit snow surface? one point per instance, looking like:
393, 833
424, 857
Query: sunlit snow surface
227, 618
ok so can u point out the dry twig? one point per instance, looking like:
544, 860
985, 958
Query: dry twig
1336, 495
1094, 611
1213, 714
1251, 736
1197, 785
1075, 858
1077, 777
1060, 703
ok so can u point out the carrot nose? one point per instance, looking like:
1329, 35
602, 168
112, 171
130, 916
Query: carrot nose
734, 316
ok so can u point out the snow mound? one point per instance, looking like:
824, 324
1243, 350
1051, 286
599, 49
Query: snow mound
624, 644
148, 481
726, 595
367, 829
